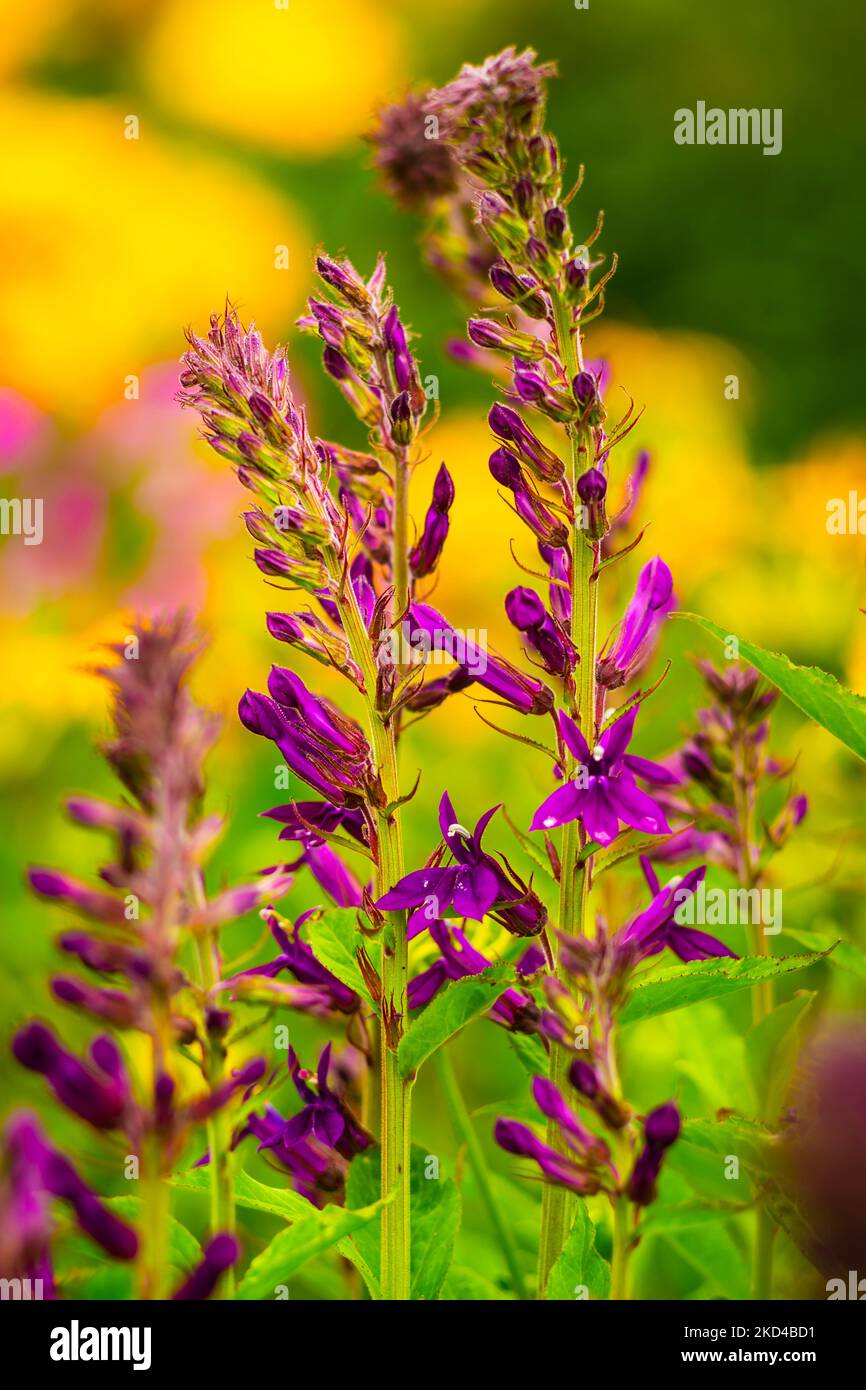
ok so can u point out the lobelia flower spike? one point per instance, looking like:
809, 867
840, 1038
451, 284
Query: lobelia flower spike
553, 284
153, 902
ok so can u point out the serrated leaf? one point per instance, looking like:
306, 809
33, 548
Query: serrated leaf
184, 1251
815, 692
708, 979
580, 1267
335, 939
436, 1212
279, 1201
747, 1140
846, 956
447, 1012
290, 1248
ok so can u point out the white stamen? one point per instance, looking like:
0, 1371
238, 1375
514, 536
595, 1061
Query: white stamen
458, 829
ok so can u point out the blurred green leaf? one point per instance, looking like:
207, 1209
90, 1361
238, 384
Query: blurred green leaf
464, 1285
289, 1249
530, 1052
580, 1266
279, 1201
184, 1251
747, 1140
449, 1011
708, 979
772, 1046
625, 846
817, 694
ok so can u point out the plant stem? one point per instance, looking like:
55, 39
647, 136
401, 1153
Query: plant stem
556, 1202
222, 1192
465, 1131
621, 1250
395, 1092
765, 1237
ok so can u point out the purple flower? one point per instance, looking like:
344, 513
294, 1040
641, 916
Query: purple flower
38, 1168
661, 1129
517, 1138
604, 792
508, 426
321, 745
98, 1093
497, 675
297, 957
548, 528
542, 632
653, 599
473, 886
425, 554
657, 927
516, 1011
325, 1116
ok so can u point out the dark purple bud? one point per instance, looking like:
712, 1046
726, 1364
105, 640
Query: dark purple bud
555, 223
392, 331
584, 1078
584, 388
662, 1126
524, 608
536, 251
523, 194
335, 364
592, 490
401, 419
542, 462
505, 281
506, 469
403, 371
576, 274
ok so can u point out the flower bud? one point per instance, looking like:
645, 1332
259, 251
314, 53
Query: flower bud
592, 490
402, 427
555, 224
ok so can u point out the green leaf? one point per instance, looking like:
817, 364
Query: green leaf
289, 1249
279, 1201
580, 1269
772, 1047
465, 1285
846, 956
747, 1140
447, 1012
530, 1052
817, 694
714, 1251
335, 939
682, 1216
707, 979
436, 1212
184, 1251
625, 846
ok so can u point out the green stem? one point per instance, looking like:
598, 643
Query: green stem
765, 1237
395, 1092
556, 1202
465, 1131
621, 1250
222, 1192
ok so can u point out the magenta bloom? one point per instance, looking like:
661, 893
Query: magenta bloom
650, 604
603, 791
473, 886
657, 927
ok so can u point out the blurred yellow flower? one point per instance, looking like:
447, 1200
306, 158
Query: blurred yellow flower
295, 76
109, 245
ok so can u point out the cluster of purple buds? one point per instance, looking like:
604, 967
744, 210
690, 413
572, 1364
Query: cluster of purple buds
725, 756
322, 746
366, 352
